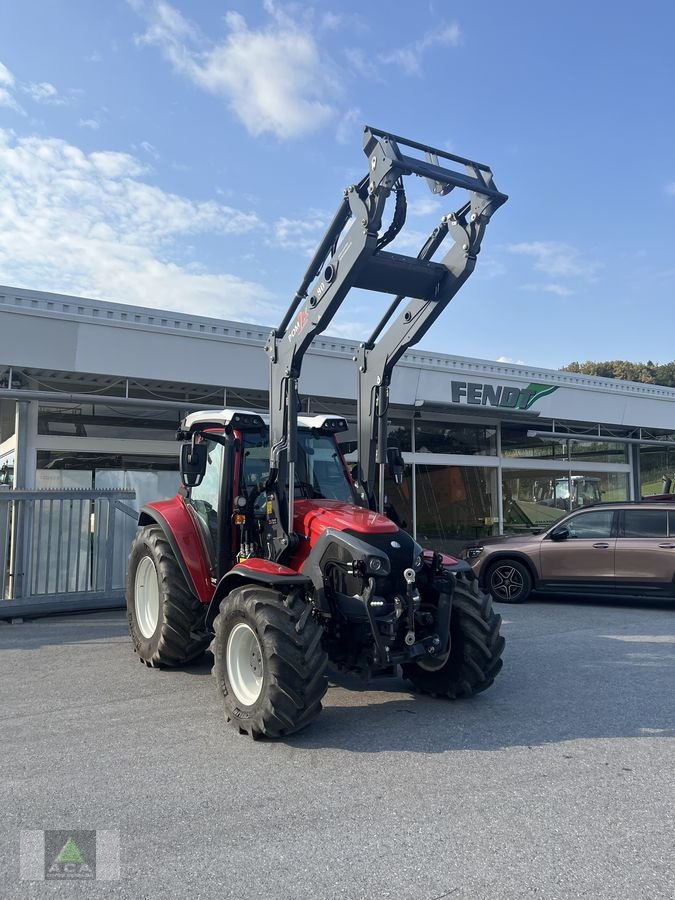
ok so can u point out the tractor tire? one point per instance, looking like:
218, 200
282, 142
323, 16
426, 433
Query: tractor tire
508, 581
269, 662
166, 621
476, 648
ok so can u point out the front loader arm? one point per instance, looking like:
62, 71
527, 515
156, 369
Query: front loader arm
352, 255
377, 357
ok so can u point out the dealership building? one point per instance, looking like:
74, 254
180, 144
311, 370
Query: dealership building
91, 394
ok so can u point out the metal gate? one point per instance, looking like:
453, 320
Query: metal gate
63, 550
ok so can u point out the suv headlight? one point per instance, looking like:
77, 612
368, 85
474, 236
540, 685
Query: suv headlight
473, 552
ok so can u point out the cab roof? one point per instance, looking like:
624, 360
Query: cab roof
253, 419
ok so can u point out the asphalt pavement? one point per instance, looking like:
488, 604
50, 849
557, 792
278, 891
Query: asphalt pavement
558, 782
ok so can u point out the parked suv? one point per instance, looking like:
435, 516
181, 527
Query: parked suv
608, 549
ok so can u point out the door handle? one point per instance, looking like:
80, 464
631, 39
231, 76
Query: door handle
667, 546
601, 546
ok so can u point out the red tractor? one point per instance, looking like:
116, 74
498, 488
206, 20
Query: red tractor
274, 554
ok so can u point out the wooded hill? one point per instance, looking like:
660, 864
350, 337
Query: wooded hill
648, 373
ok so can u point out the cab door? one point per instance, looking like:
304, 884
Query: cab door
586, 556
204, 503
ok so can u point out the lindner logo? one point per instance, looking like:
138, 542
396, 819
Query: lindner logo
475, 393
303, 318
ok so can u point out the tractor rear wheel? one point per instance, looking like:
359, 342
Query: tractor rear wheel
269, 662
476, 648
166, 621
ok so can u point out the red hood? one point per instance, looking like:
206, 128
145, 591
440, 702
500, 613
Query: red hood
313, 517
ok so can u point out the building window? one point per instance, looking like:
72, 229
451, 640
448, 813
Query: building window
104, 421
599, 451
451, 437
516, 444
536, 499
152, 477
454, 504
657, 470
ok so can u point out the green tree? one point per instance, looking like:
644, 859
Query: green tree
644, 372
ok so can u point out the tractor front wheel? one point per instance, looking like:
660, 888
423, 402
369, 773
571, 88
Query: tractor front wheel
166, 621
476, 648
268, 661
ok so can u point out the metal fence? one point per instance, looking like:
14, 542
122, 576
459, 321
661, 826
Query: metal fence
63, 550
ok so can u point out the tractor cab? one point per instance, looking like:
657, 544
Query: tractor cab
227, 490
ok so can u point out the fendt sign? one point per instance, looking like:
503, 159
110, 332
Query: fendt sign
476, 393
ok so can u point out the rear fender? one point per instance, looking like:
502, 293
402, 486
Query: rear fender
256, 571
180, 531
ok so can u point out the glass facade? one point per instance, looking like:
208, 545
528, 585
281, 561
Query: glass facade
534, 498
104, 421
657, 465
454, 503
451, 437
152, 477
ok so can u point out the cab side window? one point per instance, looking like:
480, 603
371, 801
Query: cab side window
596, 524
205, 498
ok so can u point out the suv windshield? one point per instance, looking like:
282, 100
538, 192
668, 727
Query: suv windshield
319, 470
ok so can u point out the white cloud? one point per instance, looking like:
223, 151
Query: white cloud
559, 290
509, 359
275, 78
424, 206
350, 123
150, 149
86, 224
556, 259
93, 124
43, 92
6, 77
300, 234
410, 57
6, 85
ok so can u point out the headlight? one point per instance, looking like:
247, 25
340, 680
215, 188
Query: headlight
473, 552
419, 562
374, 564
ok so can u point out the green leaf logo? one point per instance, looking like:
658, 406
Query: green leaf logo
537, 391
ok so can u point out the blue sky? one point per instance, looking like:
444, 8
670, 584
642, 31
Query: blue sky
188, 156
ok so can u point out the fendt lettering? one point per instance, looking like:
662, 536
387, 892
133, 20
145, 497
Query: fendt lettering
305, 569
475, 393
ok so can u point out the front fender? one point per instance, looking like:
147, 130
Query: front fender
256, 571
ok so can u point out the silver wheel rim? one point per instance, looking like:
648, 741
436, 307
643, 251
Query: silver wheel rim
244, 664
146, 597
507, 583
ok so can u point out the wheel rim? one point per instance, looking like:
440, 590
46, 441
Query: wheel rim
507, 583
244, 664
146, 597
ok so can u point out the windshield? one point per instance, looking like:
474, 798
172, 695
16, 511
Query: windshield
319, 470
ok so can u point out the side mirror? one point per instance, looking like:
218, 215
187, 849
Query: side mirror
560, 534
395, 464
193, 464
